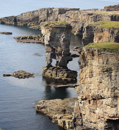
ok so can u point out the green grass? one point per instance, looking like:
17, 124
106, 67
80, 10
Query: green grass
109, 46
107, 24
56, 24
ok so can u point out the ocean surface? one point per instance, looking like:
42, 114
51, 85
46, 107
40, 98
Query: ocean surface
18, 96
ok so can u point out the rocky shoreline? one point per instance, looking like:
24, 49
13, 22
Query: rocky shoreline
97, 106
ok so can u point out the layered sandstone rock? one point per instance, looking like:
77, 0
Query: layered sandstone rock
97, 107
95, 34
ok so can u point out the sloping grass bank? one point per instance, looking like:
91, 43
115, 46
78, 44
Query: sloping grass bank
106, 24
109, 46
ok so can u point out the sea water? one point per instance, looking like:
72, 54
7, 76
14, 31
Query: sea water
18, 96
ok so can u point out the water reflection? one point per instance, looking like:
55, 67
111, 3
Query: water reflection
75, 41
55, 93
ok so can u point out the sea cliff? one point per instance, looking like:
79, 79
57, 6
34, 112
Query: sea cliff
78, 19
97, 107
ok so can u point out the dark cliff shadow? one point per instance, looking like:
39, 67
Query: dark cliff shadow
113, 124
55, 93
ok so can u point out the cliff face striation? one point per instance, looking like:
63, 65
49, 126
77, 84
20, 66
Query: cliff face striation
97, 107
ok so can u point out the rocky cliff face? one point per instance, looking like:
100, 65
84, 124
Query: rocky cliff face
100, 35
97, 107
78, 19
106, 35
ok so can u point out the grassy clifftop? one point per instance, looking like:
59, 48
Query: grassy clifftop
109, 46
106, 24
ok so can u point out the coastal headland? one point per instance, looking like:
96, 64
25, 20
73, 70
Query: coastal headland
97, 106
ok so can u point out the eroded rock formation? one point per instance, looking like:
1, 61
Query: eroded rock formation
57, 41
97, 107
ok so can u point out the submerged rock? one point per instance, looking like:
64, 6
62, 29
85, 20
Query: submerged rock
7, 33
60, 111
5, 75
37, 54
20, 74
31, 39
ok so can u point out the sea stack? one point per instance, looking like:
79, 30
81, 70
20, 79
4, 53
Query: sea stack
57, 37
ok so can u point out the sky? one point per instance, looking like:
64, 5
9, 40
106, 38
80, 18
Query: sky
16, 7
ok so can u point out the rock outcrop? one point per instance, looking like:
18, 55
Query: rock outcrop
20, 74
60, 111
112, 8
97, 107
60, 74
78, 19
31, 39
